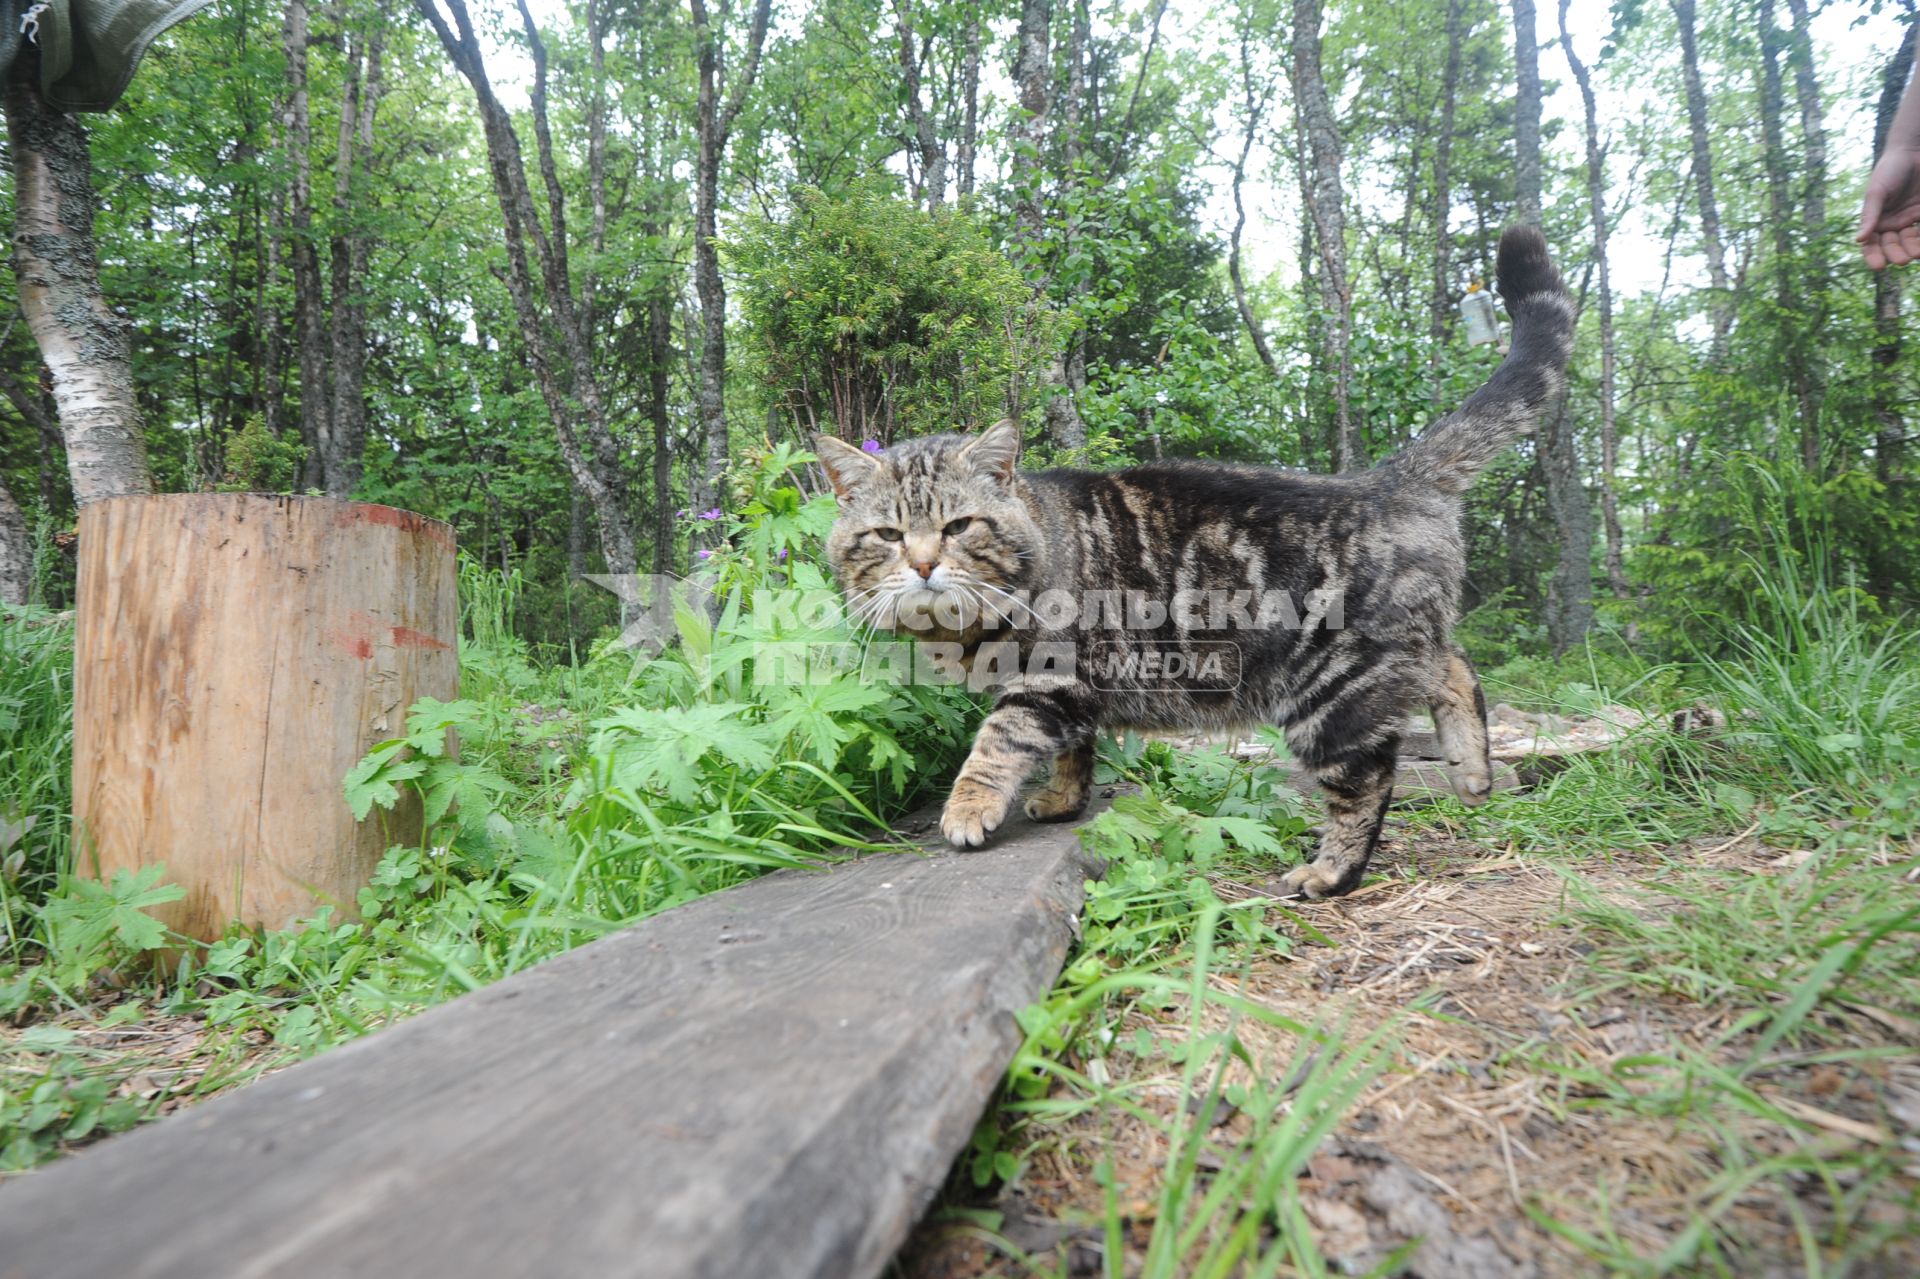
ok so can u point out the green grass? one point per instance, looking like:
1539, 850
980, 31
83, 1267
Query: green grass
585, 795
36, 753
591, 791
1822, 762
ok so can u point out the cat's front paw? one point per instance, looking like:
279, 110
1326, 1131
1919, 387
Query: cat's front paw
973, 812
1317, 879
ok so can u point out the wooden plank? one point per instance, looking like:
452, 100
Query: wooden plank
234, 655
772, 1081
1418, 781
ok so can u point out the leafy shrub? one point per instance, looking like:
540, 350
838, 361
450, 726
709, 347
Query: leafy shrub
258, 462
874, 318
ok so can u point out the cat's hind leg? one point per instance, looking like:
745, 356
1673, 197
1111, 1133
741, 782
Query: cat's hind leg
1358, 782
1460, 722
1065, 795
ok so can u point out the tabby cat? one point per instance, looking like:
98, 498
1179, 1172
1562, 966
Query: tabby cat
1194, 595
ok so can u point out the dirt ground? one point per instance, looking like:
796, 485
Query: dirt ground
1477, 1132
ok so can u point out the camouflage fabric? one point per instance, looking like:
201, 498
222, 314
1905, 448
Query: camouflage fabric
88, 49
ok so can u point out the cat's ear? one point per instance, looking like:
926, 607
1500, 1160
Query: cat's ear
847, 467
995, 451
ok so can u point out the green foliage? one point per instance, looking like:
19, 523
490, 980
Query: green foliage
93, 921
558, 802
873, 318
1763, 539
257, 462
36, 756
575, 786
48, 1098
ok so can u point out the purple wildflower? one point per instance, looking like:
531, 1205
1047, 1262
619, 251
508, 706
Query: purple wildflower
872, 446
714, 514
783, 552
705, 555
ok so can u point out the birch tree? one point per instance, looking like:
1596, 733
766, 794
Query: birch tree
56, 268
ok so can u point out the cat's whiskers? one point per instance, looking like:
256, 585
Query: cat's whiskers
1013, 602
857, 601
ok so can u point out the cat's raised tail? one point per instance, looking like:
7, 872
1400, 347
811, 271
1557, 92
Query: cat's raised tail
1459, 445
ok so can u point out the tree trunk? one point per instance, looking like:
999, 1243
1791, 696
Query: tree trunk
1885, 566
1815, 266
574, 404
703, 481
1786, 267
303, 255
1326, 210
1813, 128
715, 122
659, 362
933, 151
1712, 240
347, 255
1255, 107
1440, 304
269, 319
235, 655
970, 91
576, 538
1033, 77
1570, 590
1063, 415
1073, 137
57, 271
596, 164
1526, 117
1597, 215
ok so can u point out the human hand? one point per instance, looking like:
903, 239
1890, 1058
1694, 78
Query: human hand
1890, 219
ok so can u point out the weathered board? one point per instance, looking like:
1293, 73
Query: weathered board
771, 1081
234, 655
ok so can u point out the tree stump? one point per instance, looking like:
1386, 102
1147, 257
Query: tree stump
235, 655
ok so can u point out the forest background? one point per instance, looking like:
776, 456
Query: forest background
563, 275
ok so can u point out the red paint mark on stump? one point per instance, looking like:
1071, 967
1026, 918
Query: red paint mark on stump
394, 517
407, 637
358, 645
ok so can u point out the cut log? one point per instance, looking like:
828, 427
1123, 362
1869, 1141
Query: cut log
770, 1082
234, 656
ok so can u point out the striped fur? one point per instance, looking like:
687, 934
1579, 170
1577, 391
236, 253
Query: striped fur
934, 534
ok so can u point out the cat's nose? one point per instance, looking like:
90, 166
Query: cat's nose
925, 569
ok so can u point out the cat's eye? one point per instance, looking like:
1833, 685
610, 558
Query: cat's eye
887, 534
956, 527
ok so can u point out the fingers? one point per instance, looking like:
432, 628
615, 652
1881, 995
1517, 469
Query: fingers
1892, 248
1870, 214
